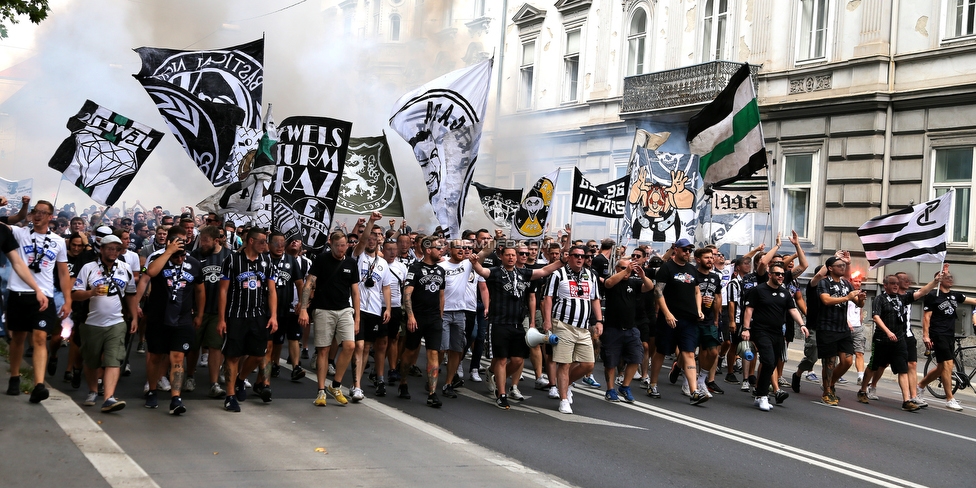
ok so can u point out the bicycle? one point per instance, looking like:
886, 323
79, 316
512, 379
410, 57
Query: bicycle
960, 378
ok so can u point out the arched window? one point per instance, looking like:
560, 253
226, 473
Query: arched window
394, 27
636, 42
714, 26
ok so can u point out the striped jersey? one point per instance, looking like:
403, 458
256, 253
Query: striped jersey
572, 294
247, 294
213, 270
286, 272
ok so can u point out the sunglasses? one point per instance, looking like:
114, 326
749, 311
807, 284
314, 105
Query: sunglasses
688, 249
778, 273
636, 256
581, 256
467, 248
523, 253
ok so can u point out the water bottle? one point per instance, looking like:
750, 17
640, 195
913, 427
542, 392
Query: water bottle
745, 350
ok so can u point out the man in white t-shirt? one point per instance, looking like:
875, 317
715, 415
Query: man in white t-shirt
30, 307
106, 283
374, 303
458, 303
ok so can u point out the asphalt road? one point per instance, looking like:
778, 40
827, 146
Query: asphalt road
395, 442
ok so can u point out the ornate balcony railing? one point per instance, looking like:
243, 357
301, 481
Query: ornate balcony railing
689, 85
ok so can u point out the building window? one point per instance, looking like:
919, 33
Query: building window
954, 170
813, 30
714, 27
636, 42
960, 18
526, 72
394, 27
798, 193
571, 66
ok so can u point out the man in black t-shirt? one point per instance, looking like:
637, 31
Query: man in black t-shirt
765, 309
79, 254
812, 300
888, 344
709, 336
336, 308
211, 255
834, 338
938, 334
247, 313
423, 303
679, 300
290, 281
621, 338
173, 310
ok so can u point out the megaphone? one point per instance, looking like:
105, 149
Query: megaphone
533, 337
746, 350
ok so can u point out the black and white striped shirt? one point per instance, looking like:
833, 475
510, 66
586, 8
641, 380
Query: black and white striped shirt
572, 295
247, 292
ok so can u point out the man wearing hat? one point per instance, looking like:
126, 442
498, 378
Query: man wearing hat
834, 340
679, 300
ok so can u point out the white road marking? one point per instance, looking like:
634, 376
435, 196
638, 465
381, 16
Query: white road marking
576, 418
901, 422
106, 456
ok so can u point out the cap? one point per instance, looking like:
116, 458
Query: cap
831, 260
110, 239
683, 243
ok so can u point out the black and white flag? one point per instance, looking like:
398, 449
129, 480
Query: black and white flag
606, 200
369, 181
916, 233
204, 97
104, 152
310, 155
442, 122
500, 204
532, 216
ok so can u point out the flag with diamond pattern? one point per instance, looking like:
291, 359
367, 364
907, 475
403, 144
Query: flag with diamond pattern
104, 152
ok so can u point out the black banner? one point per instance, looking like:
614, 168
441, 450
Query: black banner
500, 204
311, 153
369, 182
606, 200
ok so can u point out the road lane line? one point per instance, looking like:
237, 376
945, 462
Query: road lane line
902, 422
105, 454
521, 407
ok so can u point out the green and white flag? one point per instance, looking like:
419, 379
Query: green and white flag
727, 135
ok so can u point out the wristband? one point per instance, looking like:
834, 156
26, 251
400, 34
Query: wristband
600, 321
746, 329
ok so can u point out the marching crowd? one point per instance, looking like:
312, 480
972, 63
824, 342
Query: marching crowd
195, 291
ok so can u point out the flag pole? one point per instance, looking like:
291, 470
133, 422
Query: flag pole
56, 195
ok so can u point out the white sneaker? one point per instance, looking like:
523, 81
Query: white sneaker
564, 407
745, 385
541, 383
460, 372
920, 402
145, 388
164, 385
919, 391
685, 390
190, 384
637, 375
704, 388
553, 393
491, 383
762, 403
91, 399
357, 395
216, 391
331, 370
619, 380
247, 384
475, 377
515, 394
204, 360
954, 405
645, 382
569, 394
873, 393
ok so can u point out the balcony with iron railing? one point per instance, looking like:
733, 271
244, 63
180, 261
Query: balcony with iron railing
680, 87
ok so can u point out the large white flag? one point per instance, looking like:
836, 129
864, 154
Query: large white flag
916, 233
442, 121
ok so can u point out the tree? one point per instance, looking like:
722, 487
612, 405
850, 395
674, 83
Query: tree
35, 10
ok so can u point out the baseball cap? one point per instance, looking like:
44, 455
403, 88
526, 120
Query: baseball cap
110, 239
831, 260
683, 243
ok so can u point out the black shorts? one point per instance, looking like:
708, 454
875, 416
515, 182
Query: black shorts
831, 344
393, 326
371, 327
890, 353
911, 349
508, 341
430, 329
23, 314
288, 329
684, 336
621, 345
723, 324
164, 339
645, 330
246, 337
942, 346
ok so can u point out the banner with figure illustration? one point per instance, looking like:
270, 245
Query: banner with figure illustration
104, 152
369, 181
661, 192
500, 204
532, 216
15, 191
310, 156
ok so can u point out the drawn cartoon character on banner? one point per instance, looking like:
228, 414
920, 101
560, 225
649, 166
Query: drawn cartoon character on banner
659, 205
530, 218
